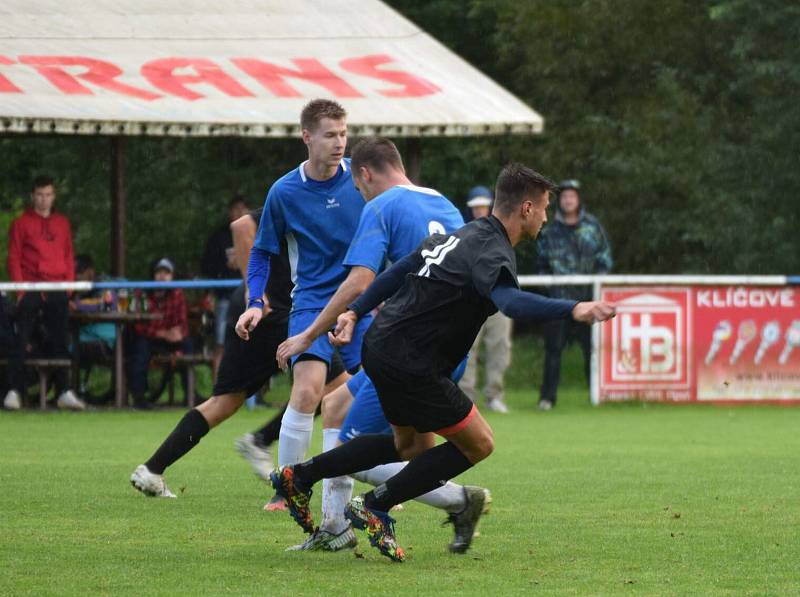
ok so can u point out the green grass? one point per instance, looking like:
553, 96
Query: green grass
619, 500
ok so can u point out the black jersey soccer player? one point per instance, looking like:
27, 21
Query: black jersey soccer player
438, 298
245, 368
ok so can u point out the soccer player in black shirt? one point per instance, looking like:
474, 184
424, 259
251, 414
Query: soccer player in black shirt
438, 298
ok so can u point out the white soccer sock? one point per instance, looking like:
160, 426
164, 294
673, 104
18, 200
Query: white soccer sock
450, 497
336, 492
295, 436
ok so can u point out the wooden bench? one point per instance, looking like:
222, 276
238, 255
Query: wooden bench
43, 367
174, 361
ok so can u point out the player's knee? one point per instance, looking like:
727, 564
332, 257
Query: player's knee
305, 399
218, 408
482, 447
331, 413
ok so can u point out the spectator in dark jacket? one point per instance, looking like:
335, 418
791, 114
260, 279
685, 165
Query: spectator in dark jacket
219, 263
575, 243
40, 250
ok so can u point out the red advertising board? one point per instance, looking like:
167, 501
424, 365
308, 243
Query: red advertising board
702, 343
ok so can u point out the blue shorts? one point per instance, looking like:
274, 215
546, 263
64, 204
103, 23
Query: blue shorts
366, 413
299, 321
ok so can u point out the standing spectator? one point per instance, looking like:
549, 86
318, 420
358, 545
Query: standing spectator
575, 243
219, 263
495, 335
10, 350
40, 250
170, 334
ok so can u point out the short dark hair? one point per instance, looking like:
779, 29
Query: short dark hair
517, 183
376, 153
315, 110
236, 200
42, 181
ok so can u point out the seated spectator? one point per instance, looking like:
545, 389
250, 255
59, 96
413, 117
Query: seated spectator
96, 339
14, 386
170, 334
40, 250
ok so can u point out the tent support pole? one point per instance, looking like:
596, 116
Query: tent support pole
414, 159
118, 206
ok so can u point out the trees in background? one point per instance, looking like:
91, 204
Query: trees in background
680, 118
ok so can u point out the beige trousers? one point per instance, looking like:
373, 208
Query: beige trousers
495, 335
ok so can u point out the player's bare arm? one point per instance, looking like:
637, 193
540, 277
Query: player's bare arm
354, 285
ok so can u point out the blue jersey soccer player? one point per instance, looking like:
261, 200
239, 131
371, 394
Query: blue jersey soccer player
397, 217
316, 208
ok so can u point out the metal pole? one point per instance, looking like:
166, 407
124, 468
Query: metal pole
414, 159
594, 363
118, 201
118, 206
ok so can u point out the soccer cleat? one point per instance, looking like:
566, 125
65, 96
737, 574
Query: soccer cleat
276, 504
466, 521
321, 540
297, 500
378, 525
256, 454
545, 405
69, 401
12, 401
149, 483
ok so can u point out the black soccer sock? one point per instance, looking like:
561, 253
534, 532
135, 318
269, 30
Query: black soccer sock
428, 471
359, 454
186, 435
269, 433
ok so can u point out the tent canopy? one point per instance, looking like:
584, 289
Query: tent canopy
239, 67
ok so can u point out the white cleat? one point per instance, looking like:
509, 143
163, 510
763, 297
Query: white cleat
69, 401
257, 455
497, 405
150, 484
12, 401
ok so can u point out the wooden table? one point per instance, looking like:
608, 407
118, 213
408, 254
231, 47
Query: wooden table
119, 319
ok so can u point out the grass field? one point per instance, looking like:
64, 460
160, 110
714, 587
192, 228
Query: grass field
619, 500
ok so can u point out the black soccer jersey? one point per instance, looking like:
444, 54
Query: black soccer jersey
431, 322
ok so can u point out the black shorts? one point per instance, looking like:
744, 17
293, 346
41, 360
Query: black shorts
248, 364
425, 401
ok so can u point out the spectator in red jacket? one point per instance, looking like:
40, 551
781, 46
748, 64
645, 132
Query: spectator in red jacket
170, 334
40, 250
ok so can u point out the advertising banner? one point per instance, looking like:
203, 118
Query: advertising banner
701, 343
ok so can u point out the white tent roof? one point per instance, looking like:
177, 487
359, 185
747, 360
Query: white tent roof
236, 67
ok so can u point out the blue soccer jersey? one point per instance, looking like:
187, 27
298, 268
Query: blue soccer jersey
318, 220
394, 223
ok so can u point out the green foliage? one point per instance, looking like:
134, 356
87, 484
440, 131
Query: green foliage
679, 117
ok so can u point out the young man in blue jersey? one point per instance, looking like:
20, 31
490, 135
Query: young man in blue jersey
397, 217
316, 208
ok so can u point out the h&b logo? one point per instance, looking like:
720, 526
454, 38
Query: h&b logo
648, 338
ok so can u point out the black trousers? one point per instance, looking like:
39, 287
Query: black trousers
140, 351
557, 334
44, 316
10, 349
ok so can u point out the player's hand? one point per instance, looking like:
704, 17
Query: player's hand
248, 322
593, 311
290, 347
343, 333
